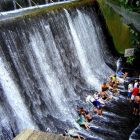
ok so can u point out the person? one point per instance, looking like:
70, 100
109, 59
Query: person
136, 106
48, 130
125, 75
73, 133
88, 116
139, 98
104, 87
80, 110
96, 95
111, 83
130, 89
103, 95
82, 121
136, 83
96, 103
134, 93
120, 74
113, 77
114, 89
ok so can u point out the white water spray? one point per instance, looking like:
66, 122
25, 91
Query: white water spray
14, 98
90, 78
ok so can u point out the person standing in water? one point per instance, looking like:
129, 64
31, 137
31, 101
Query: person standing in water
73, 133
104, 87
130, 89
136, 106
134, 93
82, 121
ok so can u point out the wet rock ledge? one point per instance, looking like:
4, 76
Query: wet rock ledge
29, 134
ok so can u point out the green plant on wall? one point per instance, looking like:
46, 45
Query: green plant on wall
131, 5
130, 60
135, 38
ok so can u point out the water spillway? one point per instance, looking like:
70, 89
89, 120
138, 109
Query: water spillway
8, 5
47, 63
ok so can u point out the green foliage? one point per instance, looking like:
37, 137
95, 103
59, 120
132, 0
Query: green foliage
135, 38
131, 5
130, 60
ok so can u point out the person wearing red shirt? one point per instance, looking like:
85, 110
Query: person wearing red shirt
135, 92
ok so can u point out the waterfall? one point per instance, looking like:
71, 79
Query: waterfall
11, 91
29, 2
50, 69
88, 48
14, 3
48, 63
119, 64
82, 56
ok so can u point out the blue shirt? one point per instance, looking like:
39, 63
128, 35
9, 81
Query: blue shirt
81, 120
120, 73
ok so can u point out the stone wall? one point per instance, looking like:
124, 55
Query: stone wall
29, 134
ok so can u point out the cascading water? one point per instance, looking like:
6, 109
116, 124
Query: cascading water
119, 64
14, 4
85, 38
47, 64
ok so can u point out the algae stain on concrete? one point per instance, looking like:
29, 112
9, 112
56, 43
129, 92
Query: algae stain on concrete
118, 30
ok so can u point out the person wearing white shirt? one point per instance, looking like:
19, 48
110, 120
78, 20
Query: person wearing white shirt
136, 83
130, 89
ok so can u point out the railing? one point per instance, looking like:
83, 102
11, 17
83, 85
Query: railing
17, 4
31, 1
